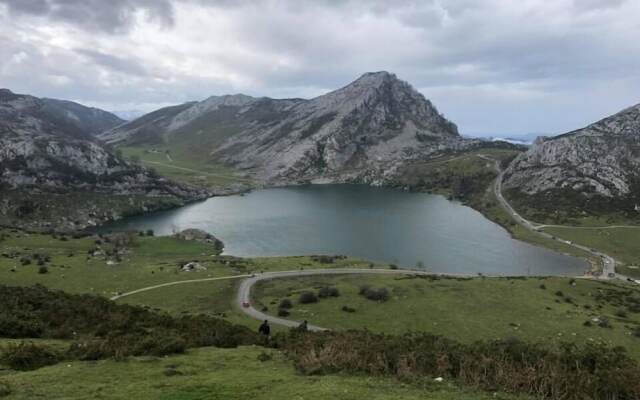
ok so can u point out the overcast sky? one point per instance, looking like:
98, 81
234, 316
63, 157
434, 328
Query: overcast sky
494, 67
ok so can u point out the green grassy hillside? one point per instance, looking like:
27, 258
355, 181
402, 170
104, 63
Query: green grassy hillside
544, 310
211, 373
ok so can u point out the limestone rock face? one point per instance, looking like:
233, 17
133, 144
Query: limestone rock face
360, 132
46, 150
602, 159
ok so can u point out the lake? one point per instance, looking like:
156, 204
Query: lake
378, 224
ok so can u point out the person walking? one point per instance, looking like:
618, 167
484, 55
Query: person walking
265, 329
303, 327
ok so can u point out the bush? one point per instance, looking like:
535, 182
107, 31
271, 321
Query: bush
283, 313
150, 232
307, 298
285, 304
263, 357
621, 314
27, 356
326, 292
348, 309
109, 329
43, 269
566, 372
393, 266
5, 390
381, 294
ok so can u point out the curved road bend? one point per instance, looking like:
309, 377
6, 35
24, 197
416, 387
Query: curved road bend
244, 292
608, 262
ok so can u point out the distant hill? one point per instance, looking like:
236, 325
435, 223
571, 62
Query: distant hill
47, 146
361, 132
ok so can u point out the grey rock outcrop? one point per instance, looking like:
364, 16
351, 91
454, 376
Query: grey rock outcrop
602, 159
41, 151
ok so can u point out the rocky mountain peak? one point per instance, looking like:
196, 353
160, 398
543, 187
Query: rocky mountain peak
364, 128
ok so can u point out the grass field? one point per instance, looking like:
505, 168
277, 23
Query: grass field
471, 309
211, 373
621, 243
182, 165
148, 261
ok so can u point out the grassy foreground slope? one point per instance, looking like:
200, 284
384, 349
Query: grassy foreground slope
212, 373
539, 310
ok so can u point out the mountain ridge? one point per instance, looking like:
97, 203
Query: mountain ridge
355, 133
43, 151
601, 160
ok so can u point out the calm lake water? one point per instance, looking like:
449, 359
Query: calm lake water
377, 224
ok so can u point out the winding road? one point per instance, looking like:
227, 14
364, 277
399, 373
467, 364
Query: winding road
608, 262
243, 299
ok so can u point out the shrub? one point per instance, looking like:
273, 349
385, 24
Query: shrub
43, 269
559, 293
27, 356
285, 304
621, 313
150, 232
542, 286
263, 357
348, 309
381, 294
393, 266
307, 298
327, 291
5, 390
566, 372
283, 313
109, 329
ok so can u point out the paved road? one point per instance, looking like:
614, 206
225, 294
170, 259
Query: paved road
540, 226
121, 295
608, 262
244, 293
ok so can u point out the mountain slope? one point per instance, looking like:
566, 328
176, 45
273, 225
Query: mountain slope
592, 164
360, 132
90, 120
45, 152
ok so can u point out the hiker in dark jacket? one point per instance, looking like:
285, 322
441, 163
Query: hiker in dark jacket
265, 329
303, 327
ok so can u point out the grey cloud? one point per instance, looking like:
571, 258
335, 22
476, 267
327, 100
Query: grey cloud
492, 66
112, 16
115, 63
